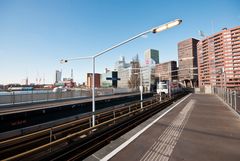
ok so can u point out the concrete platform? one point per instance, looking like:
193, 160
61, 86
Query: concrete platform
199, 127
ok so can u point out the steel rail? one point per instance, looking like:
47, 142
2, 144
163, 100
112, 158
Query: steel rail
97, 140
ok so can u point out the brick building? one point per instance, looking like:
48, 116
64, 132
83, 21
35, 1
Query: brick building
187, 61
166, 71
97, 80
219, 59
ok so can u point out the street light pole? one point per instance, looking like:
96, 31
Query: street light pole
141, 85
160, 93
153, 30
141, 88
93, 92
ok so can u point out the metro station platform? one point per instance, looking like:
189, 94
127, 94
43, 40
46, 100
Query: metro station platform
196, 128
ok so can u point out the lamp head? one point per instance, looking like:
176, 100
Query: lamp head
63, 61
166, 26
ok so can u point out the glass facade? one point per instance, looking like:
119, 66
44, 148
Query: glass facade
151, 56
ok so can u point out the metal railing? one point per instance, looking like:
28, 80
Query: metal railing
19, 97
229, 96
41, 96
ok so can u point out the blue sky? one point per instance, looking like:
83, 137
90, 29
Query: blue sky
35, 35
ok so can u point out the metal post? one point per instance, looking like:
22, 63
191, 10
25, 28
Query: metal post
170, 92
225, 86
32, 95
114, 115
13, 97
227, 97
235, 100
90, 122
141, 88
50, 135
47, 94
93, 92
222, 87
50, 138
170, 80
160, 93
224, 93
21, 98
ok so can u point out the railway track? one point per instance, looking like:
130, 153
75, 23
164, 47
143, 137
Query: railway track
77, 139
82, 149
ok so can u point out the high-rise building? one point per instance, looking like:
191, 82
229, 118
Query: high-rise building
187, 62
123, 72
58, 76
97, 80
121, 63
167, 71
151, 56
148, 77
219, 59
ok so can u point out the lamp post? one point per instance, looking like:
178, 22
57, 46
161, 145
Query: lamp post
160, 93
141, 85
153, 30
141, 88
141, 82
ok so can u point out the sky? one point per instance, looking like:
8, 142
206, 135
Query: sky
35, 35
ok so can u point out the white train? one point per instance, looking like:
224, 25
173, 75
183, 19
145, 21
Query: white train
164, 88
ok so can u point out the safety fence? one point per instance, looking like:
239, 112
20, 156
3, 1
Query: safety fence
19, 97
231, 97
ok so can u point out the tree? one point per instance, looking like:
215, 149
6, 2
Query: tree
134, 81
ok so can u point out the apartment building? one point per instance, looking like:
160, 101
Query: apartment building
219, 59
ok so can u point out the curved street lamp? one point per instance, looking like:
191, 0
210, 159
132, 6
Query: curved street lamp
153, 30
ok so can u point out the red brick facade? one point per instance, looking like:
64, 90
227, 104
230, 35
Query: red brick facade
219, 59
97, 80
